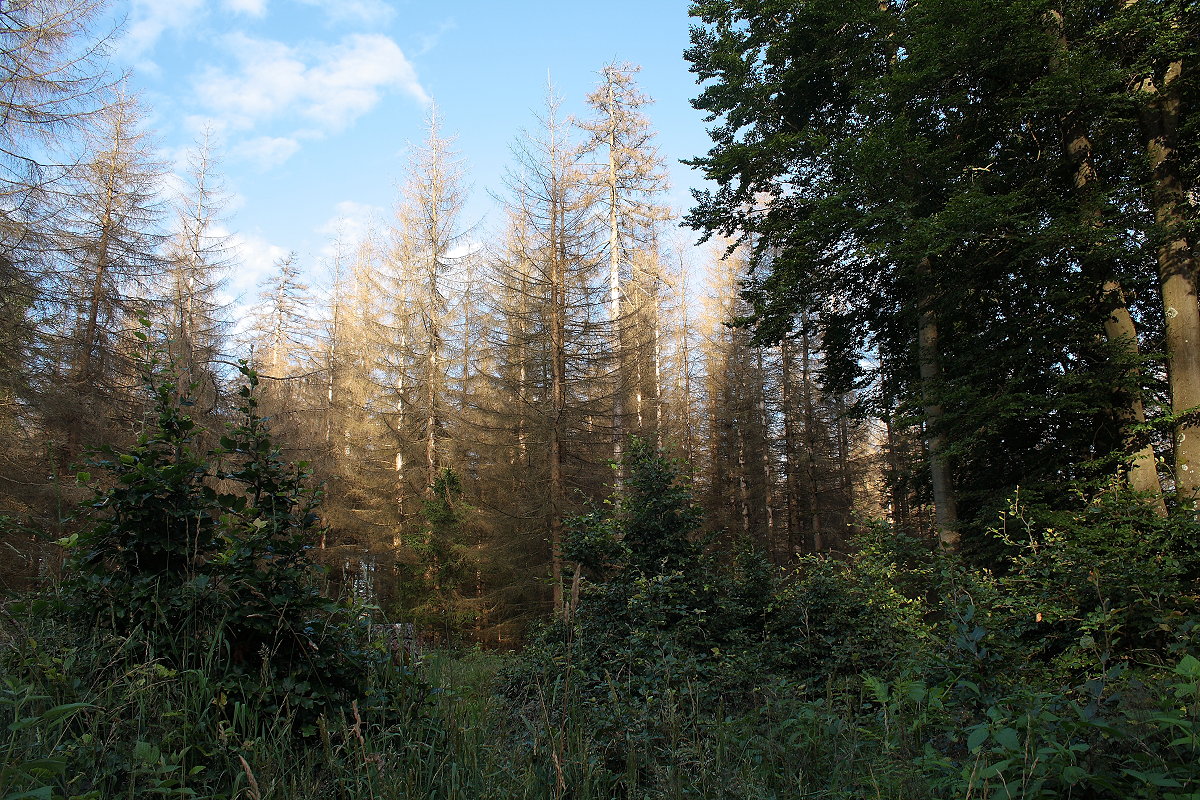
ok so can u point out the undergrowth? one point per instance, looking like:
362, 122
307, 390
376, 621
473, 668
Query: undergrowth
189, 655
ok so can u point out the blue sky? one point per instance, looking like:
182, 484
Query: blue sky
316, 101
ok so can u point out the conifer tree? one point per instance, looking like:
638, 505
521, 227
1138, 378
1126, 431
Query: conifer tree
109, 240
628, 178
54, 80
198, 258
552, 319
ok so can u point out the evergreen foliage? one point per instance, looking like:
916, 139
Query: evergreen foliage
668, 618
203, 557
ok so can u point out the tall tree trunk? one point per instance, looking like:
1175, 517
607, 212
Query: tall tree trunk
810, 441
658, 385
765, 427
431, 422
743, 483
685, 340
1177, 271
897, 480
790, 456
558, 396
614, 287
1119, 327
928, 355
845, 479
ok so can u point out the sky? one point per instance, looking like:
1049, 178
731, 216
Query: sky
315, 103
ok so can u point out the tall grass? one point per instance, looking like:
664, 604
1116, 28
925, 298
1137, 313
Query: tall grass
100, 718
97, 717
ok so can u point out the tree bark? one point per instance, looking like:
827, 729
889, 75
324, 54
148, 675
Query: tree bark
944, 501
815, 507
1177, 270
790, 457
557, 392
1119, 328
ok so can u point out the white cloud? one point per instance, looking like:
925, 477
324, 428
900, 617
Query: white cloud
329, 85
463, 250
269, 78
253, 8
368, 12
150, 19
351, 222
255, 258
172, 183
349, 81
267, 151
430, 40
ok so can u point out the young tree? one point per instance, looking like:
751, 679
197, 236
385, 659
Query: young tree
182, 570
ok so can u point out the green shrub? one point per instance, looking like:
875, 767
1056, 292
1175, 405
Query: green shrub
202, 559
672, 651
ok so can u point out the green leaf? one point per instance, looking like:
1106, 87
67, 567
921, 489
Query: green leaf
1188, 667
66, 710
41, 793
1073, 774
1154, 778
977, 737
23, 723
1008, 739
993, 770
878, 689
47, 766
146, 753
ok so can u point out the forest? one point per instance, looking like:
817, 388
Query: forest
886, 489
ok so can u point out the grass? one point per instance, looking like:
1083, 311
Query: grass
101, 718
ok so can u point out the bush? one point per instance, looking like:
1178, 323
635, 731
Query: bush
202, 559
672, 653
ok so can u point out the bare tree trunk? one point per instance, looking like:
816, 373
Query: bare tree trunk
1119, 326
743, 484
1177, 270
614, 285
899, 485
658, 386
944, 500
431, 423
790, 456
768, 478
689, 442
558, 395
844, 477
810, 439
